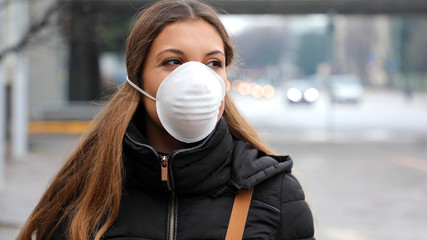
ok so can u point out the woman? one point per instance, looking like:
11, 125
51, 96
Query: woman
165, 157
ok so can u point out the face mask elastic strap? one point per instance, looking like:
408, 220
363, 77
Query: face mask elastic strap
139, 89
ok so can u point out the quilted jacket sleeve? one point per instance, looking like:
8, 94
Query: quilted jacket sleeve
296, 221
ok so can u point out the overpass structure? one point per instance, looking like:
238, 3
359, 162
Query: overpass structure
285, 6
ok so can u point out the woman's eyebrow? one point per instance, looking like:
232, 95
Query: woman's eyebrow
177, 51
172, 50
215, 52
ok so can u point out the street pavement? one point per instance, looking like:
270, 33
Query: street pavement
27, 178
363, 167
363, 190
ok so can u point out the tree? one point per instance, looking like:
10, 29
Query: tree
416, 48
84, 77
261, 46
312, 52
35, 27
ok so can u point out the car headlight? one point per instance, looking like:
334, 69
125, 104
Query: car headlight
294, 95
311, 95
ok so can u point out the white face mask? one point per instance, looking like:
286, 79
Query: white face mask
188, 101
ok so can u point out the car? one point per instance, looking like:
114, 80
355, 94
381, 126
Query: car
345, 88
301, 91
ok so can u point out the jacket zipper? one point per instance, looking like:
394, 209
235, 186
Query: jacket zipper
164, 167
172, 217
164, 164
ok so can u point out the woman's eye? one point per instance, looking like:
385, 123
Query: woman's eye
215, 63
172, 61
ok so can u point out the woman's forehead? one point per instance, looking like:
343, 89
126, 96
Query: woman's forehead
190, 35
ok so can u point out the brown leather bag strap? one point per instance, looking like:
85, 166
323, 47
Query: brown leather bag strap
239, 213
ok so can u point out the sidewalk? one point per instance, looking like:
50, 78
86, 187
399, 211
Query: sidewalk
27, 179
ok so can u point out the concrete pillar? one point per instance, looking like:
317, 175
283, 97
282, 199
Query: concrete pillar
18, 19
3, 117
3, 98
19, 121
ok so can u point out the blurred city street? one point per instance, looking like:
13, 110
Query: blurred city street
381, 115
363, 167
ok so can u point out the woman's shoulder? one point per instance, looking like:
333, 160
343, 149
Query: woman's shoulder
270, 175
280, 188
283, 194
250, 167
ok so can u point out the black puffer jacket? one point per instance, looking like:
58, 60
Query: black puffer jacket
204, 178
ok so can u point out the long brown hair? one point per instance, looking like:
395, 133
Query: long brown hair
84, 197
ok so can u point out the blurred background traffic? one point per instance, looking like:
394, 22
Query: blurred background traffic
341, 86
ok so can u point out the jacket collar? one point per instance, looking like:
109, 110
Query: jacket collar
207, 167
